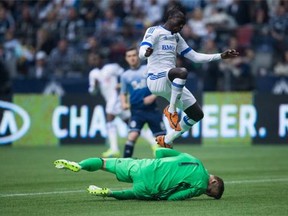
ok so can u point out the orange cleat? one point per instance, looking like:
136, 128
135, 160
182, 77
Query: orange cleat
173, 119
160, 141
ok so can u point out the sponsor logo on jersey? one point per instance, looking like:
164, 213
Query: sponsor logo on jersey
168, 47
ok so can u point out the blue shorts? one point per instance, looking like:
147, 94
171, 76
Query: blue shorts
152, 117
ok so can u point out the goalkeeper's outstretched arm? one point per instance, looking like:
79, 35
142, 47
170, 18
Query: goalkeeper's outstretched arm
123, 194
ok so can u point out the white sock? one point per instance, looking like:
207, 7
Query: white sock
186, 123
177, 86
112, 136
147, 135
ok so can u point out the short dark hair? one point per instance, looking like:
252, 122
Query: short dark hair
220, 187
131, 48
175, 11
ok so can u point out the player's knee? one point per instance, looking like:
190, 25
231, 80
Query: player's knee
196, 116
183, 73
195, 112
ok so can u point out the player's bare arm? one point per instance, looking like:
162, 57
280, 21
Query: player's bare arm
124, 101
149, 99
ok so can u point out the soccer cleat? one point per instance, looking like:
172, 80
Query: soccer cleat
173, 119
97, 191
65, 164
111, 154
160, 141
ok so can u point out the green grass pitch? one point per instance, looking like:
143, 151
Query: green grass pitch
256, 183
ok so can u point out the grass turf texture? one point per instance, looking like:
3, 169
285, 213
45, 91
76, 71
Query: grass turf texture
256, 183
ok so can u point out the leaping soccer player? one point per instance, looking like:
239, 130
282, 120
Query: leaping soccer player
172, 175
160, 47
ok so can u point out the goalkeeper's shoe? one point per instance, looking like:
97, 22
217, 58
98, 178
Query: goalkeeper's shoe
173, 119
161, 142
65, 164
111, 154
97, 191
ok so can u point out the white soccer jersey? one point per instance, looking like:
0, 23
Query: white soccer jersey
107, 80
165, 48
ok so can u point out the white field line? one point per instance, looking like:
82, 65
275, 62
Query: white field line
81, 191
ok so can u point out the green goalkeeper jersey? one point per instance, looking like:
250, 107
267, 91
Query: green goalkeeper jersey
170, 176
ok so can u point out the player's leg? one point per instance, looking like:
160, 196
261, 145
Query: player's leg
178, 77
90, 164
193, 113
129, 145
113, 150
156, 124
135, 126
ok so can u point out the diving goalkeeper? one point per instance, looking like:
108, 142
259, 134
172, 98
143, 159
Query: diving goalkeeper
172, 175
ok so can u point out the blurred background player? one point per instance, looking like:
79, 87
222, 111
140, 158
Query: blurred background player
172, 176
105, 77
161, 45
136, 96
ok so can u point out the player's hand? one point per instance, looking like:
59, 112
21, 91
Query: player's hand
231, 53
125, 106
97, 191
148, 52
149, 99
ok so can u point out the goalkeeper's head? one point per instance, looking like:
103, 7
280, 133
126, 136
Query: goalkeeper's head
215, 187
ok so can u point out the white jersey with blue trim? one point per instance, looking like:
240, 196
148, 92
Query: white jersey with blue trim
165, 48
107, 78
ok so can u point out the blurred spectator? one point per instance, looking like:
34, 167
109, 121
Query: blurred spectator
210, 71
51, 26
281, 67
109, 27
89, 12
197, 25
45, 40
239, 10
72, 28
18, 51
5, 79
237, 73
64, 61
26, 27
40, 70
7, 22
279, 29
154, 12
259, 12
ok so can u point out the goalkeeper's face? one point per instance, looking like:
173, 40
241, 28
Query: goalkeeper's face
215, 187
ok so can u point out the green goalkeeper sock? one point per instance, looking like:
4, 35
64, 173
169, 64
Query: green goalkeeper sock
91, 164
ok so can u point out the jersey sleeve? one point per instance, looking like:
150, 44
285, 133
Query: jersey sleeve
184, 194
117, 70
165, 152
182, 46
93, 77
148, 41
184, 50
123, 82
123, 194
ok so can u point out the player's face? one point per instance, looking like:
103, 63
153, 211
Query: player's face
177, 24
132, 58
